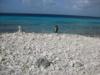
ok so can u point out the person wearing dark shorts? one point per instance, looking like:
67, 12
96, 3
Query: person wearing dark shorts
56, 29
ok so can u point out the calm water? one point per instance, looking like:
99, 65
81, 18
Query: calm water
46, 24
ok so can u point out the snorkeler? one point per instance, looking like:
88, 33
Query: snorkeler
56, 29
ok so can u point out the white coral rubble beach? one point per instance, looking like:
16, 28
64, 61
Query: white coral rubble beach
70, 54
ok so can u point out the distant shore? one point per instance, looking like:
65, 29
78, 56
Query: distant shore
70, 54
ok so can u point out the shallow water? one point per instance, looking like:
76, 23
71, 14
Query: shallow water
44, 24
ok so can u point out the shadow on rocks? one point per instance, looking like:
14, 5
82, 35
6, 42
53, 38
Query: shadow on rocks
43, 62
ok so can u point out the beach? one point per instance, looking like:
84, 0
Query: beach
70, 54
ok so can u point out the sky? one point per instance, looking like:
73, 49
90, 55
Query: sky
65, 7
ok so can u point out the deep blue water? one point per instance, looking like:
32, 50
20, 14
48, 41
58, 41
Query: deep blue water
44, 24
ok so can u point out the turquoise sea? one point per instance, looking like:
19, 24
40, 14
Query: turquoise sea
45, 24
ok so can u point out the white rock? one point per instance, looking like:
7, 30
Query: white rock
0, 58
44, 53
50, 54
56, 47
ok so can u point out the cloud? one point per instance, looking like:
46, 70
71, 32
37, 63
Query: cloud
80, 4
48, 1
26, 2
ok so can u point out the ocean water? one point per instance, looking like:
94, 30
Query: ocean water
45, 24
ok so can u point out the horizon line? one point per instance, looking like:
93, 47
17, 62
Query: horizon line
48, 15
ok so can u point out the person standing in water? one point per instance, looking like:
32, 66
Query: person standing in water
19, 28
56, 29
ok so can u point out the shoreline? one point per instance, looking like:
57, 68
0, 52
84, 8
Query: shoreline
52, 33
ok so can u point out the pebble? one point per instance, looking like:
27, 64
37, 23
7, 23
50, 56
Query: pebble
77, 64
0, 58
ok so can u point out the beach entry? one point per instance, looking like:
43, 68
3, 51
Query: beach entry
49, 37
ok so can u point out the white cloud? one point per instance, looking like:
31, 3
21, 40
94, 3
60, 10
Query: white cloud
47, 1
80, 4
26, 2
